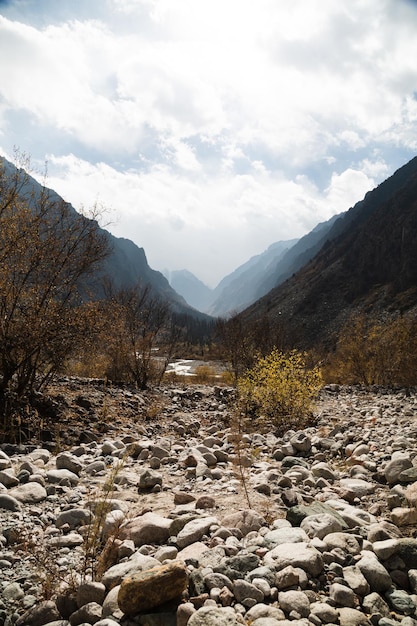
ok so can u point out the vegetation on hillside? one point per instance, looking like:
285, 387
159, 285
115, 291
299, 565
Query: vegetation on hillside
375, 352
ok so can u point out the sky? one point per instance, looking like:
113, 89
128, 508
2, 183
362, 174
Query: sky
207, 130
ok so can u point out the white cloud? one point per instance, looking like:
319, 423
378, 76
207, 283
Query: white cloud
206, 124
219, 223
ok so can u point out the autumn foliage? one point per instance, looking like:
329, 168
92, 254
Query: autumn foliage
280, 390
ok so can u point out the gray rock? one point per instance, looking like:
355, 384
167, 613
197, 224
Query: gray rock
215, 579
95, 467
408, 475
287, 577
352, 515
12, 591
8, 478
166, 553
285, 535
62, 476
74, 518
214, 616
385, 549
246, 521
320, 525
298, 555
294, 601
111, 606
112, 523
407, 551
9, 503
39, 615
264, 611
375, 573
356, 580
401, 602
40, 454
148, 479
90, 613
301, 442
5, 460
69, 462
296, 514
357, 486
325, 612
71, 540
242, 590
404, 516
184, 612
139, 562
322, 470
412, 578
147, 528
352, 617
194, 530
342, 595
90, 592
29, 493
393, 468
380, 531
374, 604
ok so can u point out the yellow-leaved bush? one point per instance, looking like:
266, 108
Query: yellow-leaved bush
280, 390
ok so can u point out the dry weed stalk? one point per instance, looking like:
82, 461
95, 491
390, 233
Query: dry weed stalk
241, 448
97, 552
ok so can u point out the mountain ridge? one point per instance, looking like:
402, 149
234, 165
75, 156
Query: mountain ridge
367, 263
126, 265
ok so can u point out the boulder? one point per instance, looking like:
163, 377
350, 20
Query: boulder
147, 528
152, 587
375, 573
246, 521
298, 555
395, 467
214, 616
194, 530
29, 493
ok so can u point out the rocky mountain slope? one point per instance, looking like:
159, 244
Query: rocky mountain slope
368, 263
125, 266
242, 287
312, 528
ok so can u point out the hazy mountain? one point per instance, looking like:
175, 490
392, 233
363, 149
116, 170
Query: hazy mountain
125, 266
240, 288
298, 255
263, 272
191, 288
367, 263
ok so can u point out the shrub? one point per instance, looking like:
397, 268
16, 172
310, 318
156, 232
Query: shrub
204, 374
280, 390
371, 351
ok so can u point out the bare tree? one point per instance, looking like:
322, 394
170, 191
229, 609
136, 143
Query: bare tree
47, 253
139, 319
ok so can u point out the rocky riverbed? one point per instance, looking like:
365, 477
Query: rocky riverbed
143, 509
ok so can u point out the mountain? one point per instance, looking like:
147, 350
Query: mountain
298, 255
367, 263
191, 288
126, 264
240, 288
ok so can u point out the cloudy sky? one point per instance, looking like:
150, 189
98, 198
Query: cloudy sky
210, 129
